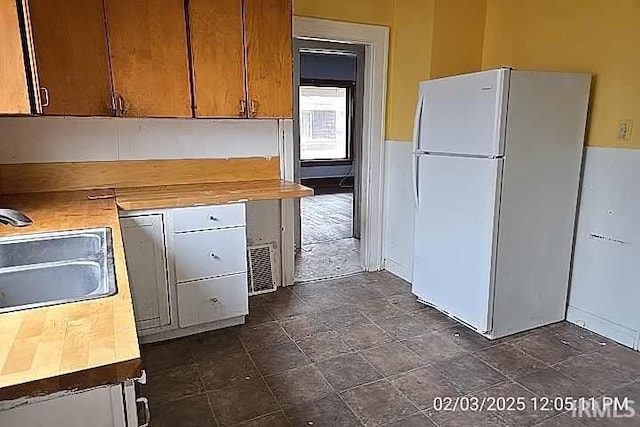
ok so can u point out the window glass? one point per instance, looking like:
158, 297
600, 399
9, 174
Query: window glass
323, 123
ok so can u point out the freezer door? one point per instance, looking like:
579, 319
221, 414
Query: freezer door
464, 114
455, 235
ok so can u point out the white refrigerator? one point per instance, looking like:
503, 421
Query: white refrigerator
496, 171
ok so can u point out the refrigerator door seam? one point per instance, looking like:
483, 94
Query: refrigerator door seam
470, 156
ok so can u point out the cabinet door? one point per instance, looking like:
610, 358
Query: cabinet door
149, 61
71, 52
14, 88
98, 407
146, 264
218, 58
269, 58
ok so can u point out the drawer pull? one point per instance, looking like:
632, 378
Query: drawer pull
214, 256
213, 300
213, 218
147, 413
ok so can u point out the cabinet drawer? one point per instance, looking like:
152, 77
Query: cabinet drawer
208, 217
210, 253
212, 299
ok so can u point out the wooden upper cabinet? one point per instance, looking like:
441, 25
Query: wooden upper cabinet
269, 58
71, 52
218, 58
149, 60
14, 86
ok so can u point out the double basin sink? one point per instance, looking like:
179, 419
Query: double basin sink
44, 269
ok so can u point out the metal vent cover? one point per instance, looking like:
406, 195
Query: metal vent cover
260, 265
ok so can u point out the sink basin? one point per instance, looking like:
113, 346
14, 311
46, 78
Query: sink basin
55, 268
44, 249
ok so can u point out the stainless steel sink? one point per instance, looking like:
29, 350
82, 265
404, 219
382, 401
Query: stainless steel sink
55, 268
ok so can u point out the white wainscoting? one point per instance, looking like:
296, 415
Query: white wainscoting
605, 286
398, 209
75, 139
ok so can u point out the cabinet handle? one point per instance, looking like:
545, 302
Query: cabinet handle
213, 255
44, 96
243, 107
147, 412
213, 218
114, 105
122, 106
142, 379
253, 108
213, 300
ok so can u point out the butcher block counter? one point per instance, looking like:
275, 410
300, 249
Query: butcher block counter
171, 196
89, 343
74, 345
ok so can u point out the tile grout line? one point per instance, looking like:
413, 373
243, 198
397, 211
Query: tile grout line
337, 393
393, 339
330, 328
264, 381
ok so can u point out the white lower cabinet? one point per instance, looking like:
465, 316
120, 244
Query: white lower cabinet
214, 299
144, 245
105, 406
194, 275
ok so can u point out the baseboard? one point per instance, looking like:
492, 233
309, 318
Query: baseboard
192, 330
398, 269
604, 327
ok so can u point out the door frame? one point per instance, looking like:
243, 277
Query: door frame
357, 50
376, 41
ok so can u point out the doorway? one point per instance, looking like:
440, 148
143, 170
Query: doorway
328, 157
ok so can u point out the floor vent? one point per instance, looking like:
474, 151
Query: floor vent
261, 264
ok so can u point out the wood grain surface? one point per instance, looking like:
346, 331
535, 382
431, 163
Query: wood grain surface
76, 345
218, 57
71, 52
207, 194
14, 93
42, 177
269, 58
148, 44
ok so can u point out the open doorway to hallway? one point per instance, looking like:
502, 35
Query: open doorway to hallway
328, 145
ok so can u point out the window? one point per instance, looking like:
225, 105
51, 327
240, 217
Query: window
324, 115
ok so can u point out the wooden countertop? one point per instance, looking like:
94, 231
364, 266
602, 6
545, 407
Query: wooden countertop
75, 345
90, 343
171, 196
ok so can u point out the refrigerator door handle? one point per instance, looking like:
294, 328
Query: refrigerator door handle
416, 141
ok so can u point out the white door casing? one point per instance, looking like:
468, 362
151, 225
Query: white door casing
376, 41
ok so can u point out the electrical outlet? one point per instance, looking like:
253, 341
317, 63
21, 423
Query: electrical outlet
624, 130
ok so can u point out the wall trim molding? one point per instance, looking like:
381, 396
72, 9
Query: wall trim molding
398, 269
376, 41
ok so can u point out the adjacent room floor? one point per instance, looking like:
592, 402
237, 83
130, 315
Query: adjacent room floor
360, 350
328, 250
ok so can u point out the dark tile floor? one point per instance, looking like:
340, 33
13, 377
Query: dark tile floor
361, 351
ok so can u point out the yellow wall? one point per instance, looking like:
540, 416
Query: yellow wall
596, 36
409, 58
458, 32
429, 39
410, 24
435, 38
378, 12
